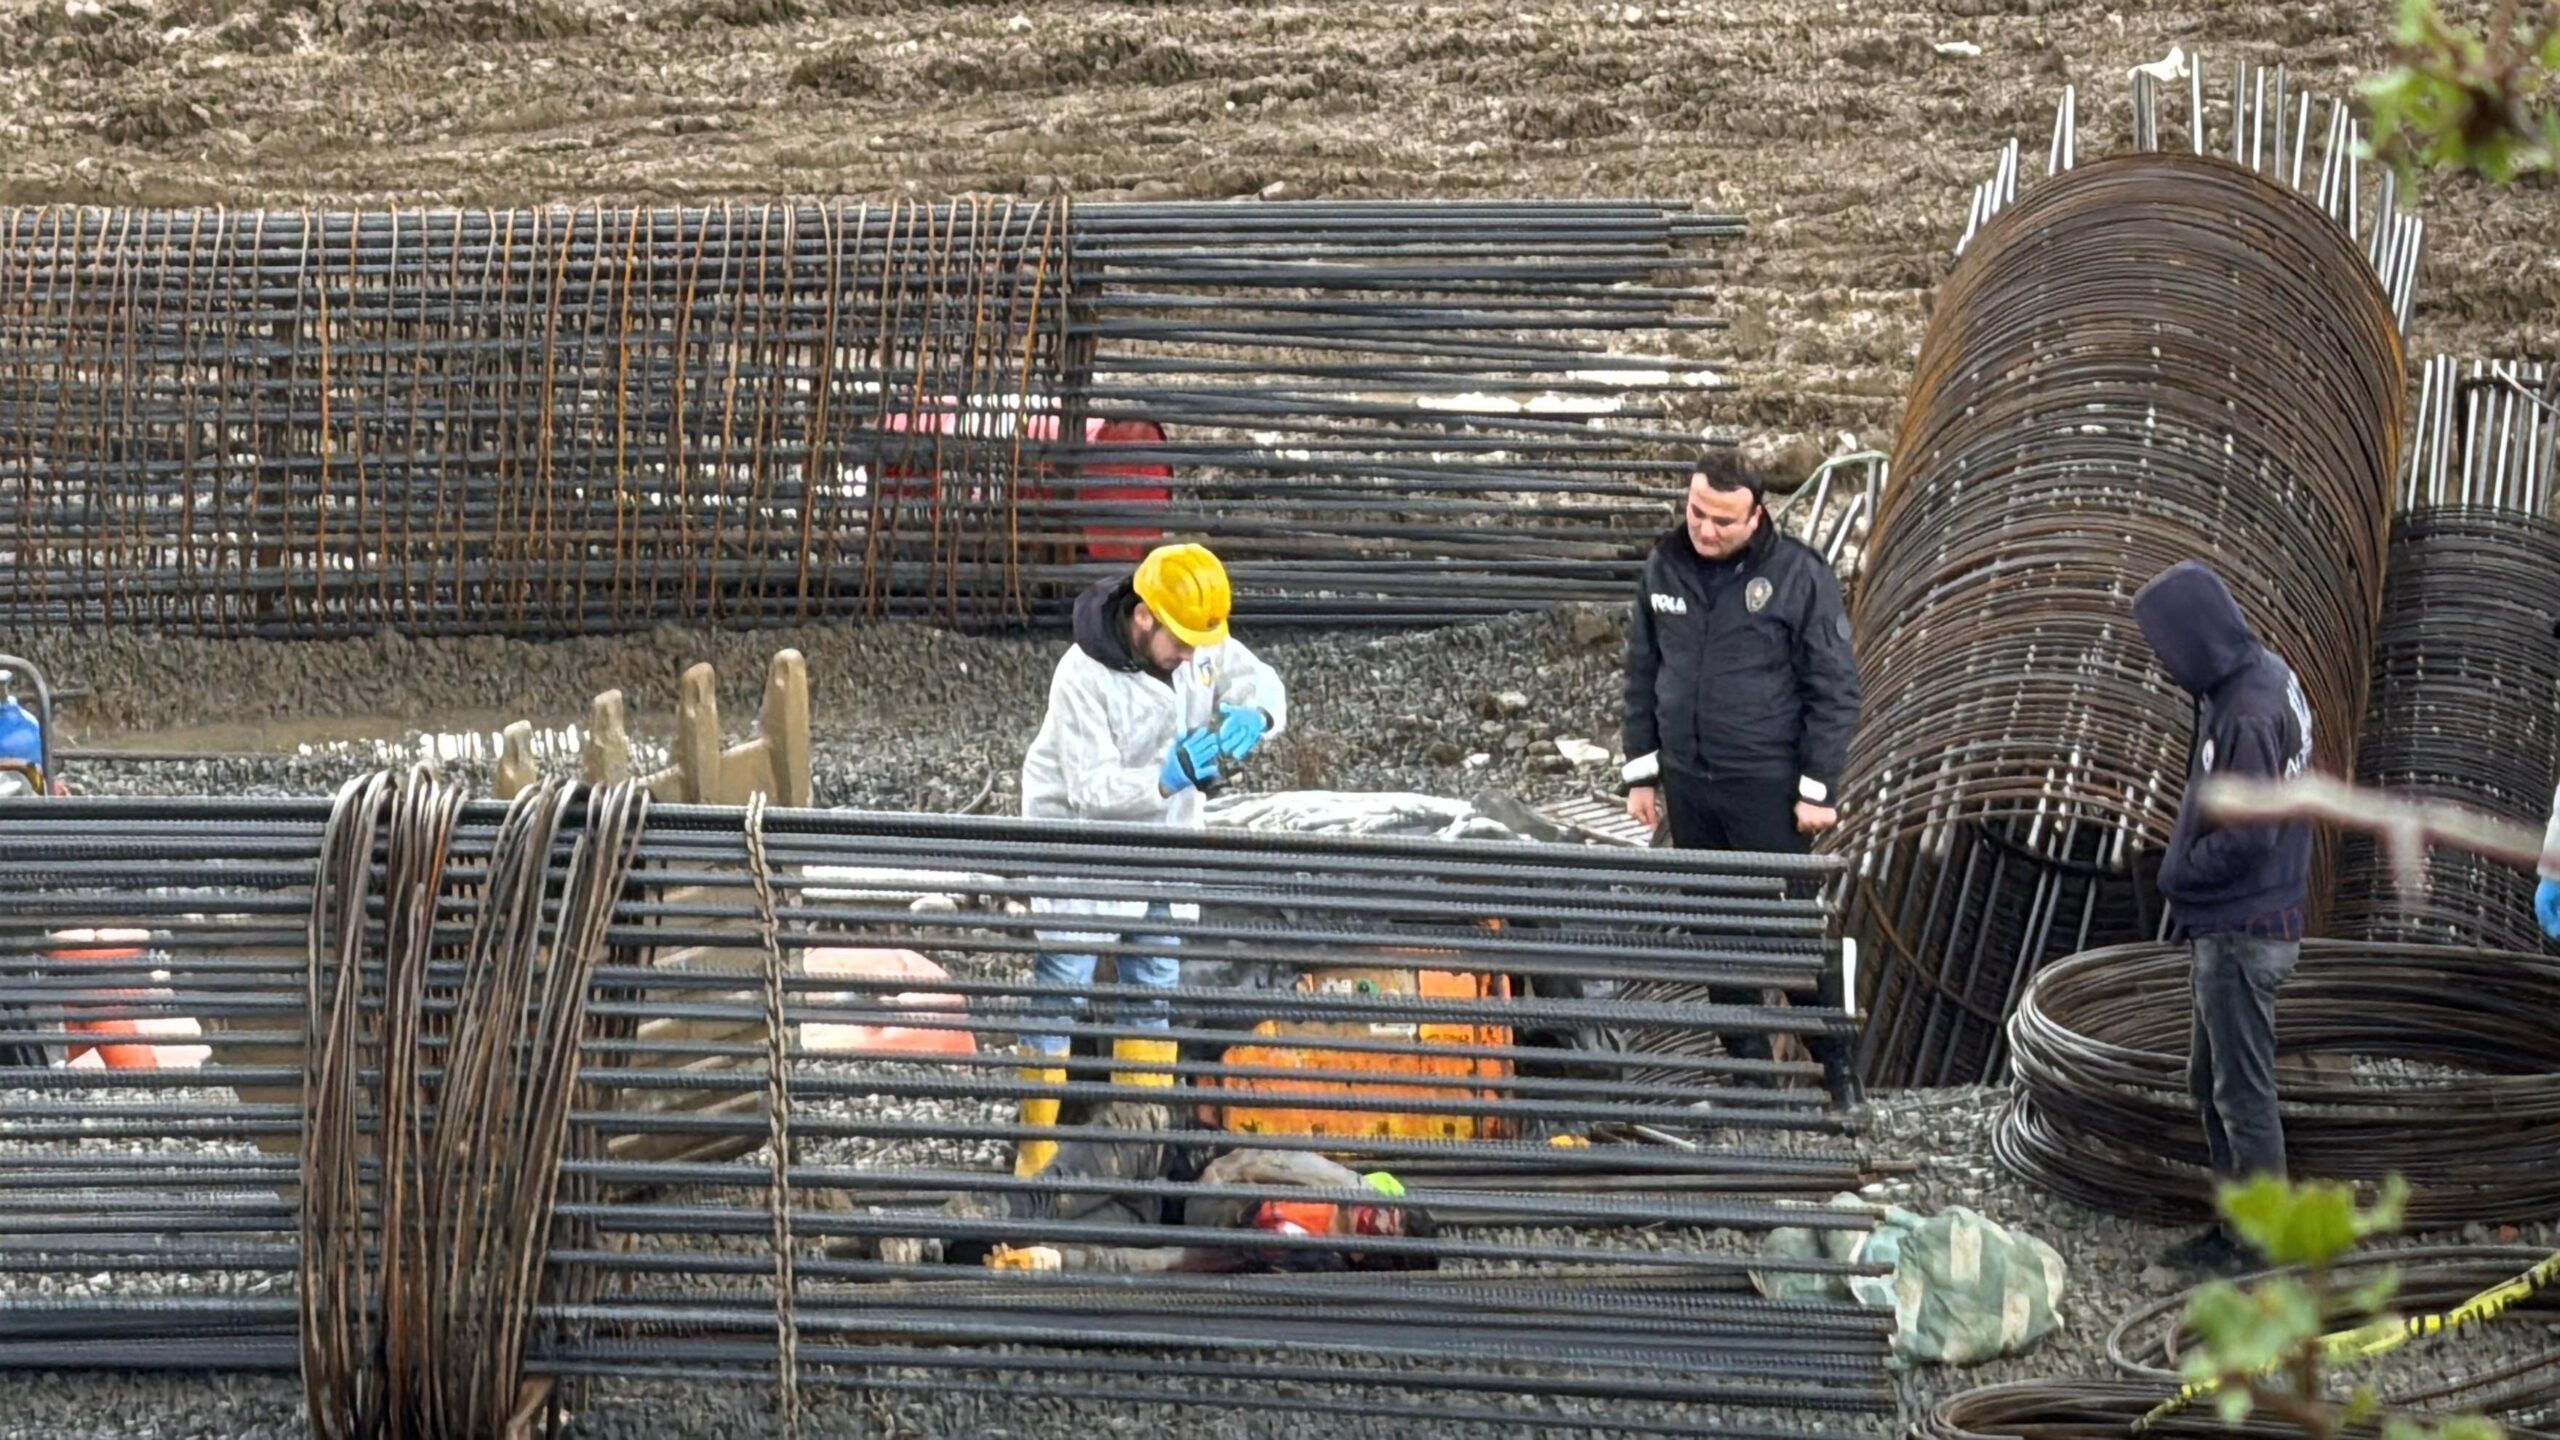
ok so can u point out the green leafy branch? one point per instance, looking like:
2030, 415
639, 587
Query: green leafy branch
2456, 100
2266, 1347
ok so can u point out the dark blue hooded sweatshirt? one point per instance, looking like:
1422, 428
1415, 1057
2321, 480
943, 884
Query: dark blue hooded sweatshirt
2251, 719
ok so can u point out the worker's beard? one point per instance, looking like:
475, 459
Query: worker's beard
1142, 648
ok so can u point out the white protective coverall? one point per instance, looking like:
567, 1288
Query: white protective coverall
1100, 752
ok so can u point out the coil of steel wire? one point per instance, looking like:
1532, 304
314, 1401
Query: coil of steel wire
574, 1091
2100, 1410
2434, 1063
2146, 358
2150, 1341
2466, 674
2466, 708
557, 422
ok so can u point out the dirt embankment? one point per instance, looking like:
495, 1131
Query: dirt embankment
1848, 134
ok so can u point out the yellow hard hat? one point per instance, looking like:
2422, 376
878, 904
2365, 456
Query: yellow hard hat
1187, 589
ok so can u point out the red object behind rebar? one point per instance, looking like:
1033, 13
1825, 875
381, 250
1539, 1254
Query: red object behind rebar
1115, 542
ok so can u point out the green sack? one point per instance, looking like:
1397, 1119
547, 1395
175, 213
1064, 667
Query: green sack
1963, 1289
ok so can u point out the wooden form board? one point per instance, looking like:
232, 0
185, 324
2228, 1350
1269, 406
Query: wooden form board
775, 763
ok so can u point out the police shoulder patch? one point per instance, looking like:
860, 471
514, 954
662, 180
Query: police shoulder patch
1757, 593
1841, 624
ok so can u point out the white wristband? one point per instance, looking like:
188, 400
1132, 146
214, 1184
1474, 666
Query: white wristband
1644, 769
1812, 791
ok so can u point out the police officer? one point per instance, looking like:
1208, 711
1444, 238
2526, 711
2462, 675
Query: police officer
1742, 689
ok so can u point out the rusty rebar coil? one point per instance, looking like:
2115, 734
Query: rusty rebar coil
2152, 1341
2453, 1080
2147, 359
2464, 682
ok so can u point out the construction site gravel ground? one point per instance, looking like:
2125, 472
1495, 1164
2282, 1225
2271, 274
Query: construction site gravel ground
1946, 1132
1848, 135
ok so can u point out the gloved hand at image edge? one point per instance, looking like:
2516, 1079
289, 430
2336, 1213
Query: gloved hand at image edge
1192, 763
2546, 907
1240, 730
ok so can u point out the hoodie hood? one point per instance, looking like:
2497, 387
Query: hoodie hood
2194, 626
1102, 625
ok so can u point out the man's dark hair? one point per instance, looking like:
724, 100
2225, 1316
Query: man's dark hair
1725, 469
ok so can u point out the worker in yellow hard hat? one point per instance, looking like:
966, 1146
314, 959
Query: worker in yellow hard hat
1147, 711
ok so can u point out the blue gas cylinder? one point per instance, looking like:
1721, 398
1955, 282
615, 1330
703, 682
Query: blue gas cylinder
21, 738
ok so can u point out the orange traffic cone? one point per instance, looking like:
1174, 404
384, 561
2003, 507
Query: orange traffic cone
127, 945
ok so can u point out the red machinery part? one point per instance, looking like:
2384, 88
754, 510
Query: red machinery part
1106, 541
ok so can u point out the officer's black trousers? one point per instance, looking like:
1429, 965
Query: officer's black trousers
1757, 815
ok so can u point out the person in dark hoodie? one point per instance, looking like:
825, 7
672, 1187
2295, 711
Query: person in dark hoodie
2235, 892
1146, 710
1741, 693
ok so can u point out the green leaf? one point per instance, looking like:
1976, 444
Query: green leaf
2401, 1427
2221, 1314
2446, 103
2311, 1223
2370, 1299
2245, 1332
2411, 29
2233, 1403
2384, 1216
2363, 1406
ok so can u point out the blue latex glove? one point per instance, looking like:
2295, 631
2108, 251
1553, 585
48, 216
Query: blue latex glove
1240, 730
2546, 907
1192, 763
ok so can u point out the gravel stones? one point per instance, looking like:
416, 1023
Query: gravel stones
912, 719
904, 717
2112, 1260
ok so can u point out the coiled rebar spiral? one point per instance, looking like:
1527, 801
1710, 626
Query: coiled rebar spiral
2466, 675
2458, 1088
2149, 358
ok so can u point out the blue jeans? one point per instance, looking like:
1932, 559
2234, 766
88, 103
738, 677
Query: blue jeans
1160, 972
2231, 1050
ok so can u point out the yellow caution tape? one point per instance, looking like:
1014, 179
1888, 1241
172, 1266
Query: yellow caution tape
2376, 1337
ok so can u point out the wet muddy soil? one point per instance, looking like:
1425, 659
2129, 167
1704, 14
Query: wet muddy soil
1848, 133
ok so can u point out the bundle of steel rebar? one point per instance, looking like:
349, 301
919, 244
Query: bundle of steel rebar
2157, 356
2446, 1073
575, 1091
554, 422
2465, 702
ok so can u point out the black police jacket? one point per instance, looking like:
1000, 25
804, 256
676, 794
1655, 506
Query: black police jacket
1741, 667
